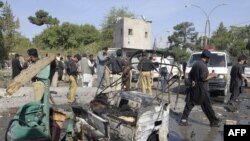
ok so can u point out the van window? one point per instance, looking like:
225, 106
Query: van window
216, 60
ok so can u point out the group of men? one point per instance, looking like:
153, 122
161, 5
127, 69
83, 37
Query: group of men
198, 92
73, 68
42, 81
112, 65
82, 67
121, 78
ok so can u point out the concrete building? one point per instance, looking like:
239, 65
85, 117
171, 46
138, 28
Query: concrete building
132, 34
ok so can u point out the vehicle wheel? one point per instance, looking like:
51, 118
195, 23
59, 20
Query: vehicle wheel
153, 137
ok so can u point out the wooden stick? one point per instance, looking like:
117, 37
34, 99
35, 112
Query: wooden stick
27, 74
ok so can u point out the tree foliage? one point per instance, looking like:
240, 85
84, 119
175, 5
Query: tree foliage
221, 38
233, 39
1, 4
8, 26
21, 42
184, 35
3, 52
67, 36
109, 23
248, 45
181, 54
43, 18
2, 47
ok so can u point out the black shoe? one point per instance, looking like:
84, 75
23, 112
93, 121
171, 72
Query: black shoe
216, 123
183, 122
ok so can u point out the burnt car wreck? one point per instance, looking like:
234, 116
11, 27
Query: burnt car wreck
126, 115
129, 116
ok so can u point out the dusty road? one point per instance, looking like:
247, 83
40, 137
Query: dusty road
199, 130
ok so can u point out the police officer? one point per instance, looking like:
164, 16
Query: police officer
73, 72
198, 92
116, 64
145, 67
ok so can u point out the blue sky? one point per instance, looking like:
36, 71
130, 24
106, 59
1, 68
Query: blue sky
164, 14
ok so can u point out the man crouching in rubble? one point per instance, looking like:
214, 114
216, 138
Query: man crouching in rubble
40, 82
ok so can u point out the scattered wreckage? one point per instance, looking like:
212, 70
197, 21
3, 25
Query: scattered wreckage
124, 116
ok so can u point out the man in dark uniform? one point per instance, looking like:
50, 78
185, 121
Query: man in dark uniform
237, 75
198, 91
16, 66
116, 64
60, 69
73, 72
145, 67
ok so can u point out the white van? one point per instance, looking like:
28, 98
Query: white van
221, 64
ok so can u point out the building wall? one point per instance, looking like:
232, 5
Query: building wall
133, 34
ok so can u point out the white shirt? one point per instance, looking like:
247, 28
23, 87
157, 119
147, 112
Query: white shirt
164, 62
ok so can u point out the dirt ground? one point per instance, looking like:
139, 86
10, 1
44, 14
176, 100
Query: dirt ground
198, 130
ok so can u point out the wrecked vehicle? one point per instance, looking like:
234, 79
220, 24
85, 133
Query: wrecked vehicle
126, 116
123, 116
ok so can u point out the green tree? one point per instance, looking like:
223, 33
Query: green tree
21, 43
3, 52
67, 36
1, 4
180, 54
43, 18
89, 34
238, 40
9, 24
221, 38
184, 35
248, 46
109, 22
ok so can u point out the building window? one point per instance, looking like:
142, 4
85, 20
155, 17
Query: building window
130, 31
146, 34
